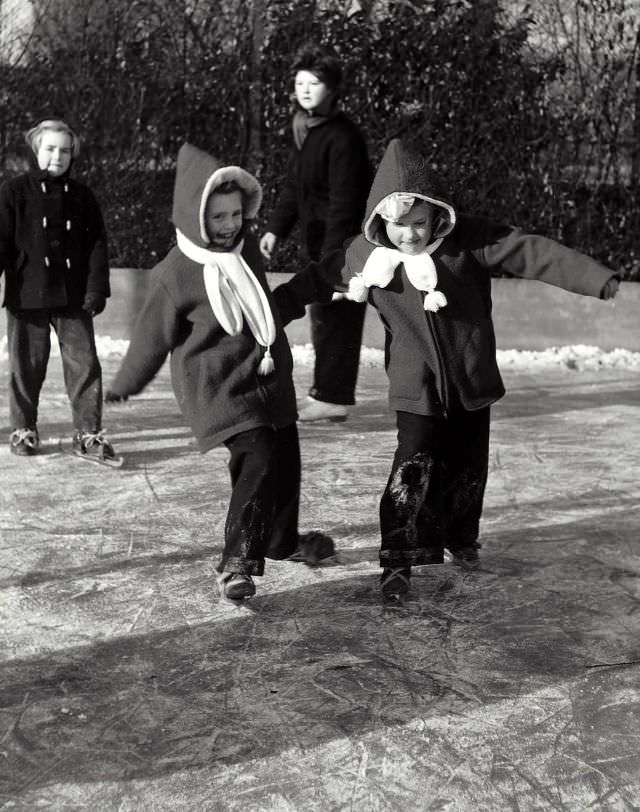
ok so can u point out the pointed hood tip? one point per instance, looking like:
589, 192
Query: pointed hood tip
197, 175
406, 172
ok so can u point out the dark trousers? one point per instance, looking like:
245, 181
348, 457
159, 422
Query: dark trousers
336, 334
262, 519
435, 492
29, 346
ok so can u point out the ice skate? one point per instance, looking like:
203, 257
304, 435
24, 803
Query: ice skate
314, 548
236, 586
24, 442
395, 581
92, 446
466, 557
320, 410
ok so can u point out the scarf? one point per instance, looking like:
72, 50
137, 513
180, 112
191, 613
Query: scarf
303, 122
234, 294
381, 265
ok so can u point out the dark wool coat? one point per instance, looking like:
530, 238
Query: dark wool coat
325, 188
214, 375
436, 361
53, 244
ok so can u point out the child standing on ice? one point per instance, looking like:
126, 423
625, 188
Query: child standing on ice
427, 270
53, 251
211, 309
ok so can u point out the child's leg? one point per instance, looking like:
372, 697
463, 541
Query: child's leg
284, 536
465, 463
29, 345
249, 524
410, 505
81, 367
286, 541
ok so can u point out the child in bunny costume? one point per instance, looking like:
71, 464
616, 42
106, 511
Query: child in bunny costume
427, 270
211, 310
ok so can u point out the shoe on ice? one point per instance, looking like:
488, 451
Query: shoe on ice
236, 586
93, 444
466, 556
313, 548
24, 442
320, 410
395, 581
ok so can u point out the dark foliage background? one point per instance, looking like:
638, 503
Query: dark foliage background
498, 118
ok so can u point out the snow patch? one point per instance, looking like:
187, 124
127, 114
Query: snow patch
576, 356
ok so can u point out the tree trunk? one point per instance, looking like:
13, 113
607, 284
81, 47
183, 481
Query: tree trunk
635, 146
253, 160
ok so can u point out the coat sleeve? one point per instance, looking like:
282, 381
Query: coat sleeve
316, 282
285, 213
98, 274
154, 336
530, 256
348, 180
7, 229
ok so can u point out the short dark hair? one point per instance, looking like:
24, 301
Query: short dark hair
320, 61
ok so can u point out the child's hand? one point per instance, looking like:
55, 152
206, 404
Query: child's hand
94, 303
267, 244
114, 397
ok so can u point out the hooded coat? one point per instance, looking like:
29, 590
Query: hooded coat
440, 360
53, 244
214, 375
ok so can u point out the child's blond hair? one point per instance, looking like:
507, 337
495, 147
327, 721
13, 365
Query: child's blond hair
34, 136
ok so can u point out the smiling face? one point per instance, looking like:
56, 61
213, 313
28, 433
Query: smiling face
223, 218
55, 152
411, 233
311, 92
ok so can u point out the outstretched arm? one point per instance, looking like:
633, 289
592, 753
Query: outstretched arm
317, 282
530, 256
154, 336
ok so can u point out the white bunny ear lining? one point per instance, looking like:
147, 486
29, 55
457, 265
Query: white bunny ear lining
379, 270
235, 295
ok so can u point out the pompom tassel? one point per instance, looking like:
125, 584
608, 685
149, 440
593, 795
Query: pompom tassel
266, 365
434, 300
358, 291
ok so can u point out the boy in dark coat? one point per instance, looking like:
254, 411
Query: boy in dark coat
211, 309
53, 251
427, 270
324, 193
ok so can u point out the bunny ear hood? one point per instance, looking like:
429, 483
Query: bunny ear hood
198, 174
405, 172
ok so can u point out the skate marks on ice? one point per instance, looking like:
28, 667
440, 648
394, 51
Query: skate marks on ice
127, 684
479, 687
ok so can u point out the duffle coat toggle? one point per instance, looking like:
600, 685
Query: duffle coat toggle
45, 224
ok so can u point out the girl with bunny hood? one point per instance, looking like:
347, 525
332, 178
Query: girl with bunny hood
211, 310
